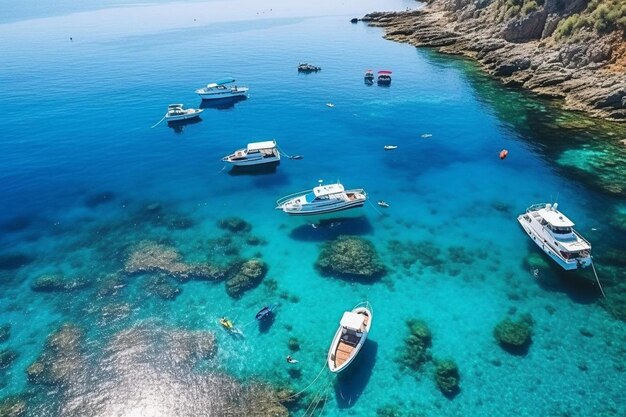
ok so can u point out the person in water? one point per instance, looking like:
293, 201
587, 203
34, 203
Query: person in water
291, 360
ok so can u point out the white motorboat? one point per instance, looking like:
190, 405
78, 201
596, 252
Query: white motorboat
350, 337
553, 232
221, 89
390, 147
255, 153
322, 199
176, 112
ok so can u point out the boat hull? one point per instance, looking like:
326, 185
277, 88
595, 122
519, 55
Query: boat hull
317, 211
217, 95
566, 264
181, 117
333, 351
252, 161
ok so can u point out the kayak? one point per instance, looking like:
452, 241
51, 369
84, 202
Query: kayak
227, 323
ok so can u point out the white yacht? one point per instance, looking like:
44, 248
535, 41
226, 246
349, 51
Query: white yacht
350, 337
176, 112
221, 89
554, 234
322, 199
255, 153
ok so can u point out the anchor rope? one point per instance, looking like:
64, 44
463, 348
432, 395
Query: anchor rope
312, 382
159, 122
285, 153
597, 279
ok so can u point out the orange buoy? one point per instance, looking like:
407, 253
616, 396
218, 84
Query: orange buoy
503, 153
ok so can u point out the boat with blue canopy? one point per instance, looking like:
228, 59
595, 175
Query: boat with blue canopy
222, 89
324, 198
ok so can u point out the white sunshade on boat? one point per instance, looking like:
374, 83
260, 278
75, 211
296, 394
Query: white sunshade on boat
328, 189
556, 218
352, 321
212, 85
255, 146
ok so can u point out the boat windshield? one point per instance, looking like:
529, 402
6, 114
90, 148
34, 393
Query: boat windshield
560, 230
309, 197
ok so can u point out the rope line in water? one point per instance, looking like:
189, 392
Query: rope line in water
288, 156
312, 382
374, 207
322, 393
597, 279
159, 122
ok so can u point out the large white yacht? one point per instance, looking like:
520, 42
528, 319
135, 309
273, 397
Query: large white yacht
255, 153
322, 199
221, 89
176, 112
350, 337
553, 232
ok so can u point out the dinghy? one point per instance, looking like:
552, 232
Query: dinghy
265, 312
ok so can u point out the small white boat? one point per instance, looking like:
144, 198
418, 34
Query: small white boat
331, 105
390, 147
221, 89
322, 199
383, 204
553, 232
176, 112
350, 337
255, 153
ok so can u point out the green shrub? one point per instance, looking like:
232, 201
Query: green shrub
529, 7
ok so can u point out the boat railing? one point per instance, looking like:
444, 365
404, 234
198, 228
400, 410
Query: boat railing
365, 304
581, 238
284, 199
536, 207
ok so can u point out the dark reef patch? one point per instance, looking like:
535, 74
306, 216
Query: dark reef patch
350, 258
515, 336
95, 200
58, 283
12, 261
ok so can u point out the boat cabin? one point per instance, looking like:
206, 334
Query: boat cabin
555, 221
327, 192
266, 148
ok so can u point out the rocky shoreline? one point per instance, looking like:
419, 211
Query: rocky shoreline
585, 74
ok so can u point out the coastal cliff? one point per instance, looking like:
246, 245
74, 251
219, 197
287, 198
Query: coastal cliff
572, 50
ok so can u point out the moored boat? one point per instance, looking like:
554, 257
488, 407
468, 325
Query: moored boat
354, 327
554, 233
384, 77
369, 76
322, 199
221, 89
390, 147
308, 68
176, 112
255, 153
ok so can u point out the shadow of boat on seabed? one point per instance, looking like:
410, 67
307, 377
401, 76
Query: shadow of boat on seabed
320, 230
222, 103
179, 125
351, 383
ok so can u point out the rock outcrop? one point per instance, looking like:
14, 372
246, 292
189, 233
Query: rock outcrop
523, 43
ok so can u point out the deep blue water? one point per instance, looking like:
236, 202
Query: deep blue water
81, 164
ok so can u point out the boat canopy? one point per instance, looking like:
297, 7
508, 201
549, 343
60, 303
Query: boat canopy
173, 106
386, 72
255, 146
555, 218
352, 321
329, 189
212, 85
225, 81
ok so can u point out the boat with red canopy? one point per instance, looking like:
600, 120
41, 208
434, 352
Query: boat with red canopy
384, 77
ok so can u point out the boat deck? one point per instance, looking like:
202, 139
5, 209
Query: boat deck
347, 344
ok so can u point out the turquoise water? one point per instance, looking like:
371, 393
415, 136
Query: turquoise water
85, 179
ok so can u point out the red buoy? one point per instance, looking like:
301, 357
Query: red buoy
503, 153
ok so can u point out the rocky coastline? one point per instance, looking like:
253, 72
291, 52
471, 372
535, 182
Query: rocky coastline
585, 72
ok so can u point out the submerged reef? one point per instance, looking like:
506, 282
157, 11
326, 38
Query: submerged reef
416, 345
447, 376
61, 359
235, 225
5, 332
11, 261
162, 287
351, 257
515, 336
408, 253
150, 256
7, 357
249, 274
58, 283
13, 406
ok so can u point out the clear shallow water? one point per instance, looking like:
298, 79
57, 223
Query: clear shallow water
91, 103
